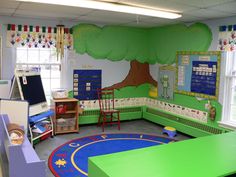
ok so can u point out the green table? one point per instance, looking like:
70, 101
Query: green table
208, 156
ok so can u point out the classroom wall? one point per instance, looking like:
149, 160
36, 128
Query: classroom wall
113, 72
214, 26
8, 57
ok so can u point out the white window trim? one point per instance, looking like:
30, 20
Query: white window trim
226, 80
63, 60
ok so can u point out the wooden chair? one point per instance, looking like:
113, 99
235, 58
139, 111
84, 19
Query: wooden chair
108, 113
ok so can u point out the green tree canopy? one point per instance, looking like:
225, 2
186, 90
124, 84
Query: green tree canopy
152, 45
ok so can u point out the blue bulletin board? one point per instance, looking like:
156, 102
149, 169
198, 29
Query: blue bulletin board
198, 74
86, 83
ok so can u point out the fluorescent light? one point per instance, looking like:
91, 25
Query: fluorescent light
110, 7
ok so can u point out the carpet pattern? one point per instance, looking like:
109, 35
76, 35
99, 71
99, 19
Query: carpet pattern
71, 158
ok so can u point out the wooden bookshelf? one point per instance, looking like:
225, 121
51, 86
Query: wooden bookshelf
66, 115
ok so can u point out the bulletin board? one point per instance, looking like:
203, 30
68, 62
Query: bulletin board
198, 74
86, 83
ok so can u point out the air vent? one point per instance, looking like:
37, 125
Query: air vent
122, 110
194, 124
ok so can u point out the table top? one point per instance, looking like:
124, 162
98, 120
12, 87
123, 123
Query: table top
209, 156
65, 100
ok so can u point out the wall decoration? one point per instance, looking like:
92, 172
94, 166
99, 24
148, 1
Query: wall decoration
36, 37
153, 92
185, 111
227, 38
198, 74
86, 83
140, 46
166, 80
138, 74
60, 41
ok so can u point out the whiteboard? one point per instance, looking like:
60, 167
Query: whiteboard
17, 111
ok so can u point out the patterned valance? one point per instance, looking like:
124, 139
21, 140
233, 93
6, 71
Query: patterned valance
36, 36
227, 38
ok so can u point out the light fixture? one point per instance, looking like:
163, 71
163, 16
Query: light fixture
60, 41
109, 6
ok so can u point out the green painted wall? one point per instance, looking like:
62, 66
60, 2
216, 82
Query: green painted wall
152, 45
132, 92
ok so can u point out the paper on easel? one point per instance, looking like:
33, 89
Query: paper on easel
5, 86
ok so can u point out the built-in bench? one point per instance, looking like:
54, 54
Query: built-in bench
18, 160
182, 124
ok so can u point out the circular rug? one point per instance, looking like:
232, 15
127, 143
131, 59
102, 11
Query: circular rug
71, 158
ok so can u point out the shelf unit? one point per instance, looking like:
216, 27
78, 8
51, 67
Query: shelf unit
65, 119
41, 126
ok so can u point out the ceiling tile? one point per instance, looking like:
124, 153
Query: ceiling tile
189, 18
201, 3
192, 10
160, 4
53, 8
41, 14
6, 11
227, 7
141, 24
8, 4
208, 13
155, 21
106, 16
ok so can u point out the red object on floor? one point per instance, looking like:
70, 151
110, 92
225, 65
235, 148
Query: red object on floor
108, 113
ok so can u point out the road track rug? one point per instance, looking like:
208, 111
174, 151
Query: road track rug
71, 158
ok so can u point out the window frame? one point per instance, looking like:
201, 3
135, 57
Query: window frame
229, 77
38, 64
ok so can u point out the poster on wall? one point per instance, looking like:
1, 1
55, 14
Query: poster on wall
198, 73
85, 83
166, 82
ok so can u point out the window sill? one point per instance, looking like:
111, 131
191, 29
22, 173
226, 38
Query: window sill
228, 124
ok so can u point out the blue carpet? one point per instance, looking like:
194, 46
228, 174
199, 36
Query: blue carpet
71, 158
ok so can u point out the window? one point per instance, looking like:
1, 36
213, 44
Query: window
229, 97
44, 59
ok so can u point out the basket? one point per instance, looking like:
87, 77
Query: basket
16, 133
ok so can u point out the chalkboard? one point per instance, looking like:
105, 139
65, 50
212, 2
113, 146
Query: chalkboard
198, 74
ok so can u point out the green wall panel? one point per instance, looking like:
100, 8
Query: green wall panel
132, 91
90, 119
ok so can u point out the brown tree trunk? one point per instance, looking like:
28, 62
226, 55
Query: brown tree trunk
139, 73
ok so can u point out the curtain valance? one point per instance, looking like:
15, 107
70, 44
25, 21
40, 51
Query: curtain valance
36, 36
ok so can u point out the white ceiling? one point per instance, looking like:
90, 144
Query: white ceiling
192, 10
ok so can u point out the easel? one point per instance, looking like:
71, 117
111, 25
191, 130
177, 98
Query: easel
16, 92
23, 87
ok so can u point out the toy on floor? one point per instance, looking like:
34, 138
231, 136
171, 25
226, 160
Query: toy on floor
170, 131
